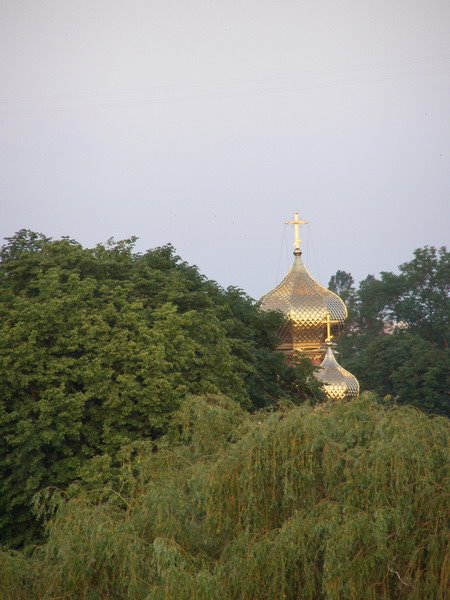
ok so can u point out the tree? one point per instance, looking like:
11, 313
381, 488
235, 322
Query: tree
344, 502
99, 346
411, 367
343, 284
419, 295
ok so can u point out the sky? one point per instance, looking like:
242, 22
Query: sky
206, 124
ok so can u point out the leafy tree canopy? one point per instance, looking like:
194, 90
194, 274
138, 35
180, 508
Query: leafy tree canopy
396, 340
345, 500
98, 347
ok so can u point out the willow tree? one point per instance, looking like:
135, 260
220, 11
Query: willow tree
343, 501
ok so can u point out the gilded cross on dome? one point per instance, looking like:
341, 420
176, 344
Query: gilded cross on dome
296, 223
329, 336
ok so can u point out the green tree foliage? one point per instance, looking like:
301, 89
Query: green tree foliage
343, 285
346, 500
396, 341
408, 368
99, 346
419, 295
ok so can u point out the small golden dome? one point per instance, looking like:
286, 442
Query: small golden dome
338, 383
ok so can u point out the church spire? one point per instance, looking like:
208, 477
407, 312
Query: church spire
296, 223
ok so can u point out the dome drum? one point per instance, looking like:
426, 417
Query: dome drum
314, 354
308, 340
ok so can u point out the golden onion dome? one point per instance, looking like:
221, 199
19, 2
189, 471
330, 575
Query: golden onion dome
338, 383
307, 306
304, 301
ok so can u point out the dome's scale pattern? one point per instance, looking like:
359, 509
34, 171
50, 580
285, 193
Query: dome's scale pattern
304, 301
338, 383
306, 305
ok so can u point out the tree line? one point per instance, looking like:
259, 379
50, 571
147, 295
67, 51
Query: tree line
396, 337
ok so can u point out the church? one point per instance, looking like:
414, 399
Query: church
314, 315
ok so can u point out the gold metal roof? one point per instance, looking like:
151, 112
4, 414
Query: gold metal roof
304, 301
339, 384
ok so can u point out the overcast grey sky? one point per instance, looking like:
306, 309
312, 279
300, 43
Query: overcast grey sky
207, 123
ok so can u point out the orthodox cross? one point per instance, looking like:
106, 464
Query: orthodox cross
329, 336
296, 223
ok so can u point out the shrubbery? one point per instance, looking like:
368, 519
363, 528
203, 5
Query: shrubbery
341, 501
